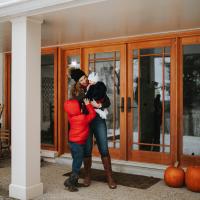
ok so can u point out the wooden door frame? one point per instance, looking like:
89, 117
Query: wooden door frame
185, 160
61, 97
120, 153
147, 156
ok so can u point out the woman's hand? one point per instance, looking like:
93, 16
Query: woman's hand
86, 101
95, 104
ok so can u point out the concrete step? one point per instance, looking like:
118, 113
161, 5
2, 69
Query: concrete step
130, 167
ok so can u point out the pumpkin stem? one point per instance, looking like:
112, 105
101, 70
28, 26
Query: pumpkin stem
176, 164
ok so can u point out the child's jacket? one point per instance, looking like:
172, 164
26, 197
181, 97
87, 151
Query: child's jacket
79, 123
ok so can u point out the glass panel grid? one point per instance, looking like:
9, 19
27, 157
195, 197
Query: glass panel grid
107, 65
151, 102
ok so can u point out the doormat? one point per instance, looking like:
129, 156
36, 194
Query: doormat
129, 180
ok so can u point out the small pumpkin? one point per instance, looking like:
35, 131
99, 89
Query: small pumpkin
174, 176
192, 178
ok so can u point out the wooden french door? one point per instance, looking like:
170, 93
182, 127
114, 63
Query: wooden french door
110, 63
151, 102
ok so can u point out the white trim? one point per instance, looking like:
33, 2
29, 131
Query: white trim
5, 3
120, 38
35, 7
27, 19
21, 192
48, 154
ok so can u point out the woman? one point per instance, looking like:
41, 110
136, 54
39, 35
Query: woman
98, 128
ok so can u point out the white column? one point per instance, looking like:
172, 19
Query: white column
25, 115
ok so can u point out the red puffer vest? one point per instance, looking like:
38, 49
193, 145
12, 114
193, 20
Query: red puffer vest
79, 123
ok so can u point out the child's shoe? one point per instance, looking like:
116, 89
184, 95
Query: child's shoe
72, 188
72, 183
67, 182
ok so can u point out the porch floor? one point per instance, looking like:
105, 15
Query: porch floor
52, 178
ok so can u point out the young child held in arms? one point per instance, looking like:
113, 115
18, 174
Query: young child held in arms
96, 92
78, 134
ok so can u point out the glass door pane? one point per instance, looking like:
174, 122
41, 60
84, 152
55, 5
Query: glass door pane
47, 99
72, 61
191, 100
107, 65
151, 99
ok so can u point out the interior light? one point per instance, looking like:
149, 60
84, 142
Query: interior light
74, 63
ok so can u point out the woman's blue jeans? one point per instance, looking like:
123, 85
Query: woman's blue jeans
77, 151
98, 128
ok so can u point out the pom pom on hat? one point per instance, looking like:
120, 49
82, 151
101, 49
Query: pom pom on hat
76, 73
94, 77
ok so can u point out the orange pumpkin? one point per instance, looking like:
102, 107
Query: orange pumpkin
174, 176
192, 178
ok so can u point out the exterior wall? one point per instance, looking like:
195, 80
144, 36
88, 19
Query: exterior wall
155, 38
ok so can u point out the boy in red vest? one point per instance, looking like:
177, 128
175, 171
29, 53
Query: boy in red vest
78, 134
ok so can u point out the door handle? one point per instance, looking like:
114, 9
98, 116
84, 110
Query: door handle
122, 104
129, 104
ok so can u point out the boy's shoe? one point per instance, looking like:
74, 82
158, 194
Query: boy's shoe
77, 184
67, 182
72, 188
72, 183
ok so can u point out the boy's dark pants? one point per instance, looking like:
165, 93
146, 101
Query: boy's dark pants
77, 156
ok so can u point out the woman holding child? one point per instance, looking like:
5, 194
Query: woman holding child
96, 92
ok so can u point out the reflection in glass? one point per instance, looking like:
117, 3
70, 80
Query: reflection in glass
151, 51
151, 85
72, 62
167, 50
108, 69
47, 99
135, 100
191, 100
135, 53
166, 138
104, 56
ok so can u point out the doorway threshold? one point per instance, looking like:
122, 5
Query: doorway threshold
130, 167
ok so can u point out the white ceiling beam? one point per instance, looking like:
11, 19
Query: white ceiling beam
15, 9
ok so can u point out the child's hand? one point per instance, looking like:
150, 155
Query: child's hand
95, 104
86, 101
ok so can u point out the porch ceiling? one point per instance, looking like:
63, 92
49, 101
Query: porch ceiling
111, 19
